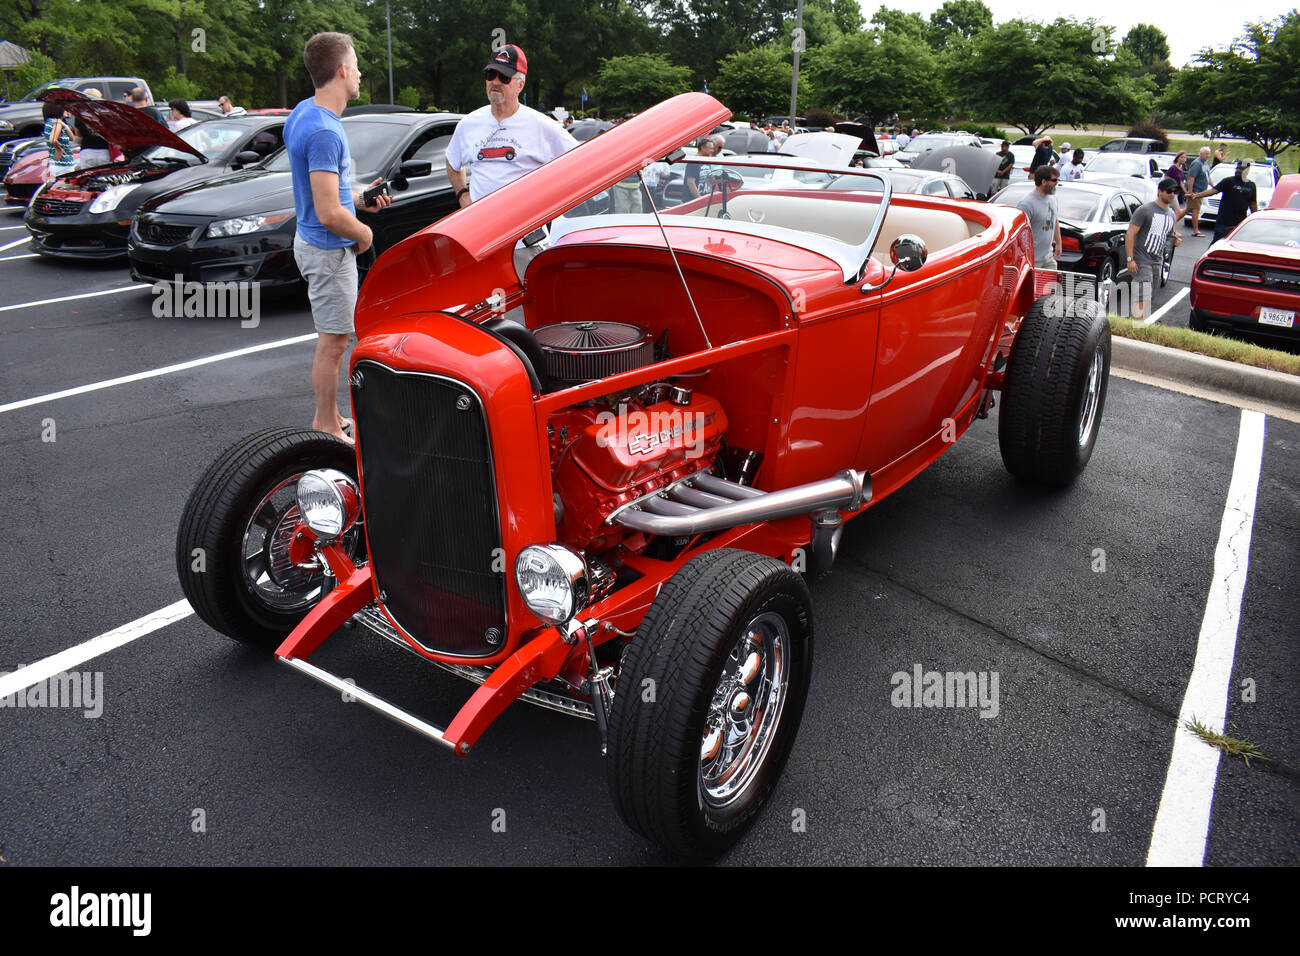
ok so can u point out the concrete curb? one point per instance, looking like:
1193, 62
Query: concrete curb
1202, 371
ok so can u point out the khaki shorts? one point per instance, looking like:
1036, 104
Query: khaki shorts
331, 276
1193, 205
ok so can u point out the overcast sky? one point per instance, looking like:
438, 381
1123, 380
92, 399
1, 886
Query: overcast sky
1199, 23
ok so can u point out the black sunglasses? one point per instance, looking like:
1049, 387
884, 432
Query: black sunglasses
495, 74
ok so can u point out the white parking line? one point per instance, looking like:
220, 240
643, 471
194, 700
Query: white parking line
1183, 819
16, 242
45, 669
29, 255
69, 298
5, 228
154, 373
1159, 313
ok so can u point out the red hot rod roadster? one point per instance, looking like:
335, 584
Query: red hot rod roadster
594, 450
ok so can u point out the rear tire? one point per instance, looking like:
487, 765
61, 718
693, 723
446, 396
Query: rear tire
231, 563
1055, 391
709, 699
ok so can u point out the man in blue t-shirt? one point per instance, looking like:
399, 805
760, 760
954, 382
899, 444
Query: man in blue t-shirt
329, 236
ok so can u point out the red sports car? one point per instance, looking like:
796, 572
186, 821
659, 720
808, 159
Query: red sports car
1250, 280
591, 463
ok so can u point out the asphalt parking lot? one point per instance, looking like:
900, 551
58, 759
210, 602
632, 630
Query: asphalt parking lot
1087, 605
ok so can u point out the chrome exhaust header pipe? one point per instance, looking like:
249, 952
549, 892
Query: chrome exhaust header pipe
848, 490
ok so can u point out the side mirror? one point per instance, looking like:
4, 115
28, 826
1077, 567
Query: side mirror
246, 157
414, 169
724, 177
908, 252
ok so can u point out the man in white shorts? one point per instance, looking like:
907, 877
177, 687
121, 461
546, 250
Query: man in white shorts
504, 139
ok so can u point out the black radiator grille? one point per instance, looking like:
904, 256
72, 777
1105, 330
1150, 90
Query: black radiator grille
430, 508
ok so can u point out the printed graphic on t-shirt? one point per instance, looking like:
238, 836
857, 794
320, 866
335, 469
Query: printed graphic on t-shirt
1161, 224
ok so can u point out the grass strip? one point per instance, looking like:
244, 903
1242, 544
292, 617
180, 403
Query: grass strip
1215, 346
1231, 746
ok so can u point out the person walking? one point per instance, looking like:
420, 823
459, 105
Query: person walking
229, 108
1177, 172
1196, 181
329, 236
58, 140
1144, 243
1238, 200
1041, 207
1006, 163
181, 117
505, 139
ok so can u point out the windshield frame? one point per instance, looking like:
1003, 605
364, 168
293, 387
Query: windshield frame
851, 258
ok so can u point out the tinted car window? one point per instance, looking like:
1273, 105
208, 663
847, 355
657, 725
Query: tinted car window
1273, 232
1118, 210
935, 188
959, 190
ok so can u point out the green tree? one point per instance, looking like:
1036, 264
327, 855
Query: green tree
876, 73
1251, 90
957, 18
639, 81
1147, 43
1036, 75
409, 96
756, 82
699, 33
889, 20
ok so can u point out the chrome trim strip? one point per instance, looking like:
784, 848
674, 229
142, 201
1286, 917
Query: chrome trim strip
373, 619
373, 701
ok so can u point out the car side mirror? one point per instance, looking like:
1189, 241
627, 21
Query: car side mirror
246, 157
908, 252
414, 169
724, 177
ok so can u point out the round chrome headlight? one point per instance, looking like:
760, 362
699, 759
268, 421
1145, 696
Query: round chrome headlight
328, 501
553, 581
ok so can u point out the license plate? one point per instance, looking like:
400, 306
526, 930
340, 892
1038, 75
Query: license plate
1276, 317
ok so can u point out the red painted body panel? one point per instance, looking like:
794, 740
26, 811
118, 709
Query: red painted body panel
1240, 298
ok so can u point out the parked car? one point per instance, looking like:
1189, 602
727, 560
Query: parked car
1124, 164
1024, 155
602, 507
1286, 194
919, 182
1132, 144
928, 141
240, 227
12, 150
1094, 220
1261, 174
24, 117
1250, 280
87, 214
32, 169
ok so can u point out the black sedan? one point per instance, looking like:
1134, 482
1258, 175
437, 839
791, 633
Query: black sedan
240, 227
87, 214
1094, 220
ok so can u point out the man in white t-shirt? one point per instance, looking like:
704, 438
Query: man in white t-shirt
504, 139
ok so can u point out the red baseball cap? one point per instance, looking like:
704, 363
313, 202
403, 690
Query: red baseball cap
508, 61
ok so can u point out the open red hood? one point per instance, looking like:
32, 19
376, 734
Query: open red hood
419, 270
126, 127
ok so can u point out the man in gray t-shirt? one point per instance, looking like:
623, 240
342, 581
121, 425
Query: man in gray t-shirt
1148, 231
1044, 220
1198, 180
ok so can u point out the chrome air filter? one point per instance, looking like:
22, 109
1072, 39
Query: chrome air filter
582, 351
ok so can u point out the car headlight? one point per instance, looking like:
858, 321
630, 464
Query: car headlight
246, 224
110, 197
553, 581
328, 502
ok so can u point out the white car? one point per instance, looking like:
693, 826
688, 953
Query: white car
1137, 165
1261, 174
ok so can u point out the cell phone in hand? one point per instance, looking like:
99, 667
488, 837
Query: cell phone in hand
371, 195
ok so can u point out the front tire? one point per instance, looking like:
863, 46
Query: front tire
232, 543
709, 700
1055, 391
